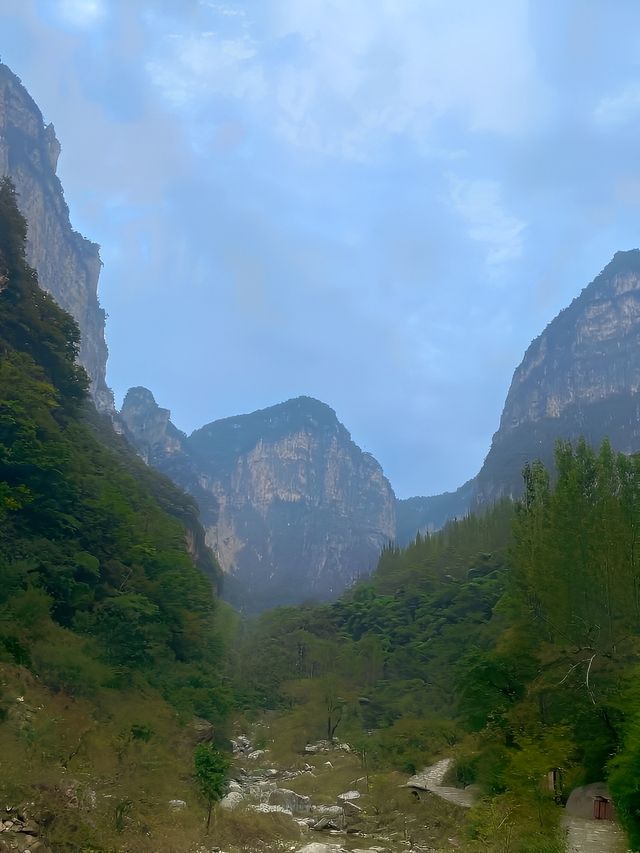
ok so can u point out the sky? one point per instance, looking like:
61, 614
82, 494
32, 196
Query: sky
378, 203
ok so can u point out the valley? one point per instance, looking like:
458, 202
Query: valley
239, 640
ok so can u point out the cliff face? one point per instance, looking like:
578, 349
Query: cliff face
293, 509
580, 377
68, 265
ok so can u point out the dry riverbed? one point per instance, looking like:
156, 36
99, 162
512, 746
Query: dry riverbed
324, 801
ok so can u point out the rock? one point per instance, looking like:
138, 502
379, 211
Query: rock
257, 753
315, 847
202, 730
315, 748
579, 377
258, 477
296, 803
234, 786
177, 805
271, 773
348, 796
329, 822
68, 265
270, 809
233, 800
331, 811
328, 764
261, 790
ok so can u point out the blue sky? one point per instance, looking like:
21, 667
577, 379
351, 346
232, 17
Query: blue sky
378, 203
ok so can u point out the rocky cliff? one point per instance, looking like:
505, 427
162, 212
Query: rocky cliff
580, 377
293, 509
68, 265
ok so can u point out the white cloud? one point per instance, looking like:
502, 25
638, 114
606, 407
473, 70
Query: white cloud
203, 65
341, 76
82, 13
479, 203
621, 108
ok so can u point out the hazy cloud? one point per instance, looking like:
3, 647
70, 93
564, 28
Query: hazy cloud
318, 196
333, 76
479, 203
621, 108
82, 13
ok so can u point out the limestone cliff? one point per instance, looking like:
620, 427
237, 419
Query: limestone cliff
68, 265
580, 377
293, 509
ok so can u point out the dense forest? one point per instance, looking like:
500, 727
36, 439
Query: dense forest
508, 640
113, 671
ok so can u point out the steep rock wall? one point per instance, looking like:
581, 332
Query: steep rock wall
68, 265
579, 378
293, 509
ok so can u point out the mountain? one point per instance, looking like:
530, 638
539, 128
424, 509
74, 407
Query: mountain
111, 641
67, 264
579, 378
428, 514
293, 509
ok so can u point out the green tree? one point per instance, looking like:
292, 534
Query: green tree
211, 768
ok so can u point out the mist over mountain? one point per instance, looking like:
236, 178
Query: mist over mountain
292, 507
579, 378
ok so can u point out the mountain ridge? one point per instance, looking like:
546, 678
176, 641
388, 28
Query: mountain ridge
281, 488
68, 264
578, 378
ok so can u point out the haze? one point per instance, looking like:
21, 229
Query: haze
378, 203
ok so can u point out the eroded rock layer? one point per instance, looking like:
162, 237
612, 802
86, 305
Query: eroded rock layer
579, 378
293, 509
68, 265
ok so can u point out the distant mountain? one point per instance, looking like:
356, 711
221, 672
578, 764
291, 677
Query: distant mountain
580, 377
67, 264
427, 514
292, 507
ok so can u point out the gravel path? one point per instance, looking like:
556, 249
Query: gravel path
431, 780
594, 836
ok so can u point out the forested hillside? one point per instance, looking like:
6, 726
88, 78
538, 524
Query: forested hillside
509, 641
111, 651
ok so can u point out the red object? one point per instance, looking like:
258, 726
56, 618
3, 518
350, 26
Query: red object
602, 808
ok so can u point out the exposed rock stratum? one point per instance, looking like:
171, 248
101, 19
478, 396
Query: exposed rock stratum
292, 507
68, 265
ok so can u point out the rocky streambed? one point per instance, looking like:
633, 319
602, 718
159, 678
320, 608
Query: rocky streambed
321, 817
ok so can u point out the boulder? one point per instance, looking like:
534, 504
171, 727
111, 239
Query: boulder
328, 811
295, 803
233, 800
257, 753
348, 797
261, 790
266, 808
177, 805
315, 847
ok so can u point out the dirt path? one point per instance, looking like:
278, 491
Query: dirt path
590, 836
431, 780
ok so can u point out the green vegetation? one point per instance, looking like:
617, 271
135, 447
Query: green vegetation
508, 640
211, 768
110, 637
